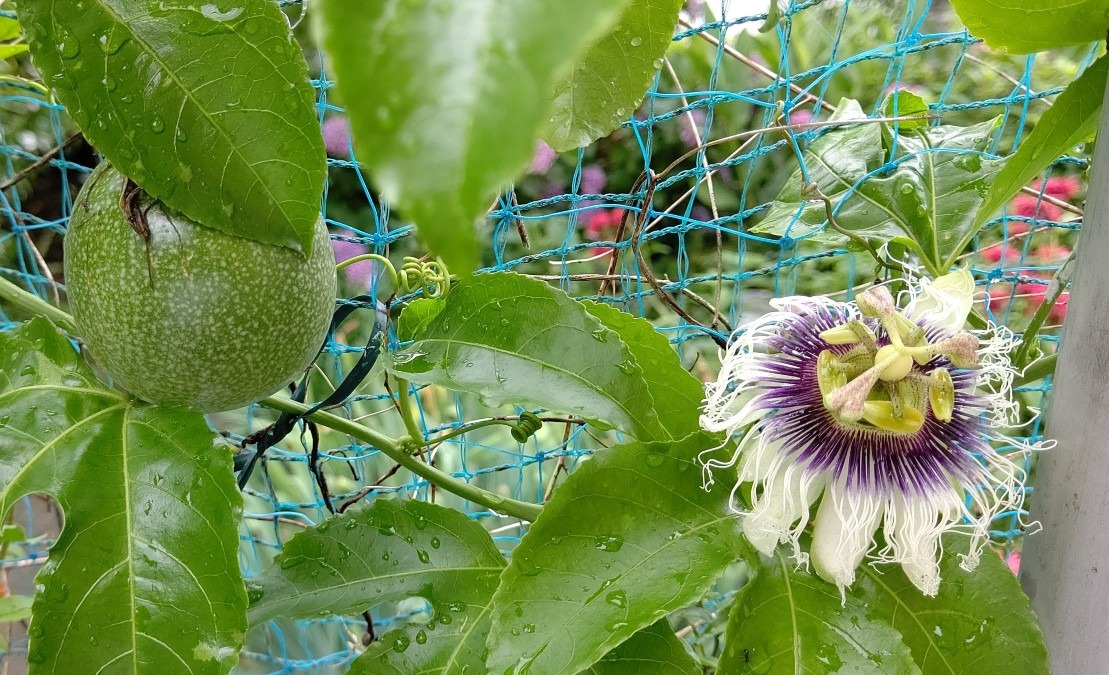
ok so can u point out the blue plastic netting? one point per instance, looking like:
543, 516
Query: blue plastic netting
721, 78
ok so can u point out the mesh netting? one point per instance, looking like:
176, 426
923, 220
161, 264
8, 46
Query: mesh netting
721, 78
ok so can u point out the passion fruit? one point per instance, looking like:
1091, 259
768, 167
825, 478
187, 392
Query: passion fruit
181, 314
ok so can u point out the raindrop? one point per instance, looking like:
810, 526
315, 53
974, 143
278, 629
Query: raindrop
435, 542
401, 643
655, 459
617, 599
111, 43
636, 41
27, 371
157, 125
421, 522
423, 556
608, 542
421, 637
110, 83
68, 46
4, 420
529, 627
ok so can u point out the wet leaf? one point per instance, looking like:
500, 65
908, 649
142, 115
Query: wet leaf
1069, 121
655, 650
150, 543
458, 98
904, 103
206, 106
677, 395
391, 551
928, 201
609, 82
979, 622
1022, 27
416, 316
515, 340
629, 537
788, 620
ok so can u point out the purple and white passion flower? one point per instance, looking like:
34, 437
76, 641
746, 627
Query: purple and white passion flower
887, 413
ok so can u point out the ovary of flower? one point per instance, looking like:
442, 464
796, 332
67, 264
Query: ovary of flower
883, 416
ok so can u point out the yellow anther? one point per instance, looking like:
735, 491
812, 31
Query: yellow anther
880, 414
941, 395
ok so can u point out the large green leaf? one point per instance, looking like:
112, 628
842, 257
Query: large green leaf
1021, 27
929, 200
629, 537
515, 340
206, 106
1069, 121
446, 98
145, 573
655, 650
677, 395
607, 85
979, 622
391, 551
787, 620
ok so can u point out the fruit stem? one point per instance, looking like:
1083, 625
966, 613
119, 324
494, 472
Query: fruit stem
31, 303
392, 448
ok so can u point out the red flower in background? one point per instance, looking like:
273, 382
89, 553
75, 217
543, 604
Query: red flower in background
1029, 206
1061, 187
995, 252
601, 224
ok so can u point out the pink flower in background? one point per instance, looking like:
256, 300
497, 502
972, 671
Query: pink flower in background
601, 224
995, 252
690, 128
800, 116
1032, 207
1060, 187
1051, 253
336, 136
360, 273
543, 158
593, 180
999, 297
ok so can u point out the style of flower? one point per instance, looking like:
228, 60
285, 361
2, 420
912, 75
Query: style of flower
888, 414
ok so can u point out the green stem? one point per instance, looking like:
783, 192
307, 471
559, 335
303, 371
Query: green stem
32, 304
464, 429
404, 405
392, 448
1055, 289
1037, 370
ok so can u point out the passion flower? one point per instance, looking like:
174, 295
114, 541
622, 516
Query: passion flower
886, 416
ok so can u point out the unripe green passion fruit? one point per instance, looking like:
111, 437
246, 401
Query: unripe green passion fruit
189, 315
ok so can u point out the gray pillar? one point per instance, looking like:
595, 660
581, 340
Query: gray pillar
1065, 567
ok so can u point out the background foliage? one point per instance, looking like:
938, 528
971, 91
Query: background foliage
720, 78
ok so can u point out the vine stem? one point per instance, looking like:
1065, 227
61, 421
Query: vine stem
391, 447
1055, 289
31, 303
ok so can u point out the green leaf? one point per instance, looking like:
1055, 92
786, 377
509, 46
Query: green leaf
790, 621
150, 544
11, 534
979, 622
15, 607
677, 395
416, 316
515, 340
928, 201
207, 107
629, 537
461, 91
609, 82
1069, 121
1022, 27
655, 650
904, 103
9, 28
391, 551
8, 51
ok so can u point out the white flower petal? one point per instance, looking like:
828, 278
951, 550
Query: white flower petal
781, 511
914, 525
843, 533
944, 302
